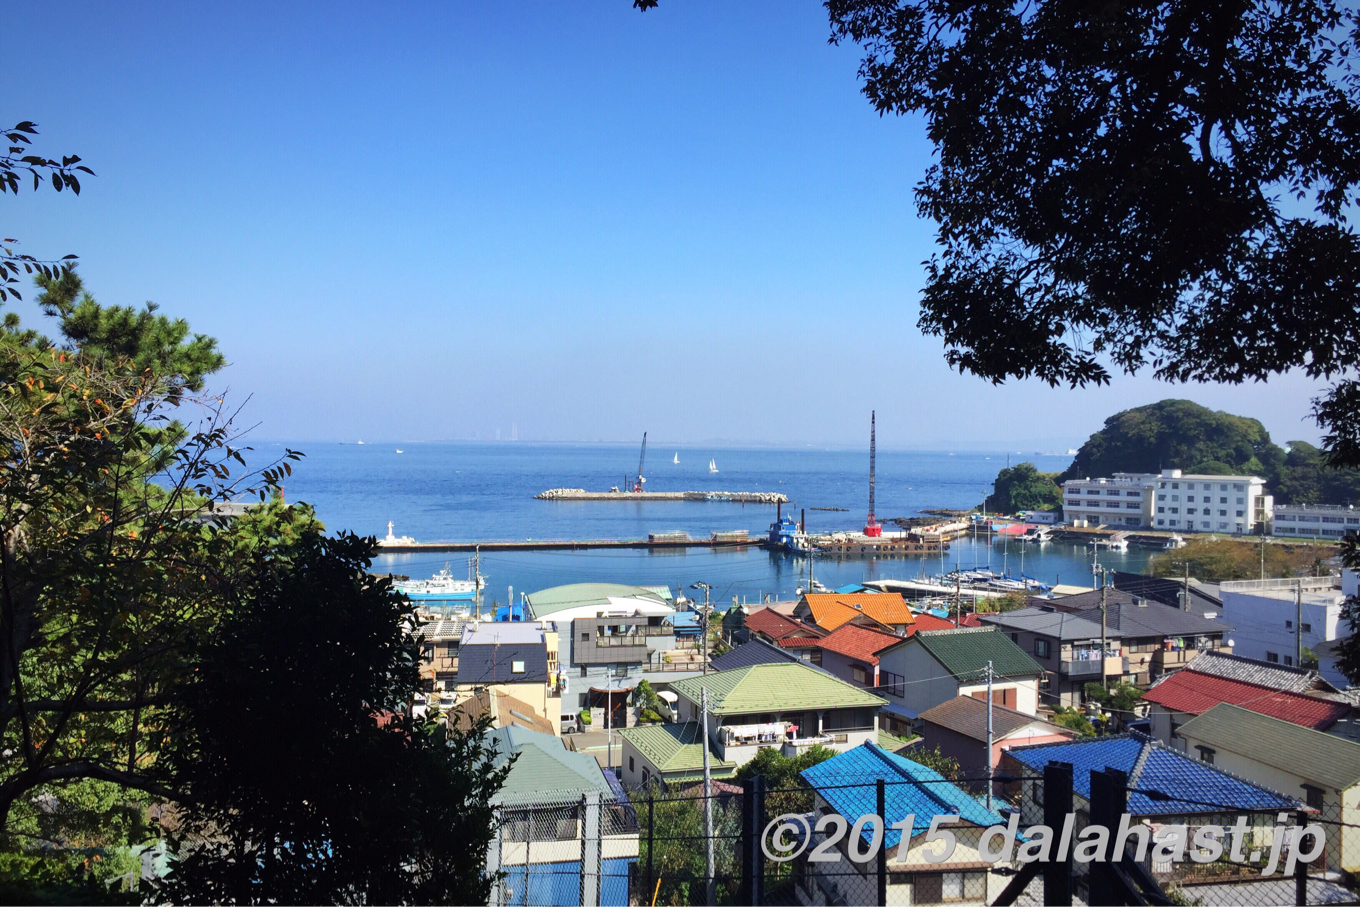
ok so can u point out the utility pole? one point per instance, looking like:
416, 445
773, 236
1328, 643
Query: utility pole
1185, 592
1104, 681
958, 600
989, 736
704, 632
1298, 624
708, 801
1263, 557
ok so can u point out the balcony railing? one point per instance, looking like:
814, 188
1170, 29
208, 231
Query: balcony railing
1090, 667
621, 640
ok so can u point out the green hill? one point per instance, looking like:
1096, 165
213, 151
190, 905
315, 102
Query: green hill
1178, 434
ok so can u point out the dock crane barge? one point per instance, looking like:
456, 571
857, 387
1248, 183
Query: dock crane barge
638, 483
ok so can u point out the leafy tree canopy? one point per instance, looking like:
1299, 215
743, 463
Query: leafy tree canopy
947, 766
1219, 560
1023, 487
1130, 185
1305, 478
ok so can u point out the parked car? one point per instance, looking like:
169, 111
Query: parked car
571, 724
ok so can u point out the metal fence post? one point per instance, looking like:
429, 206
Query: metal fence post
882, 857
590, 849
1058, 811
1300, 867
1109, 796
651, 848
753, 827
493, 862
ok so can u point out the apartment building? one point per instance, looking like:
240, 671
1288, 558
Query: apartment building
1268, 616
1195, 503
1124, 501
1314, 521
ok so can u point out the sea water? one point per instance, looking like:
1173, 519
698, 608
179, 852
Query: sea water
482, 491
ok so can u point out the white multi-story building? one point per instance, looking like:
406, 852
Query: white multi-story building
1314, 521
1271, 617
1123, 501
1188, 503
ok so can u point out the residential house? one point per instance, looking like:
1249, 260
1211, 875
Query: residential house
564, 826
958, 728
754, 652
769, 624
1204, 597
1150, 639
791, 706
502, 709
613, 636
666, 754
1181, 696
1328, 667
1292, 679
1066, 645
829, 610
517, 659
1321, 769
850, 652
1188, 792
847, 785
1264, 612
439, 641
934, 666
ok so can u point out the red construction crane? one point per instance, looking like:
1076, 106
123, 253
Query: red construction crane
871, 527
637, 484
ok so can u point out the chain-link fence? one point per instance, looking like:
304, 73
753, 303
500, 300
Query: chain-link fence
942, 843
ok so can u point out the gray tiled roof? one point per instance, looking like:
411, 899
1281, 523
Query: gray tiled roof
1060, 625
1167, 590
968, 716
1150, 618
1249, 670
755, 652
496, 663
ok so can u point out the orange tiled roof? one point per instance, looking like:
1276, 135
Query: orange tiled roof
830, 610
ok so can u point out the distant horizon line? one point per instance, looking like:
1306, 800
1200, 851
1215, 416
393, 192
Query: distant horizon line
717, 444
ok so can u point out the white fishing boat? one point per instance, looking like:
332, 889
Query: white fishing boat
676, 459
443, 587
712, 466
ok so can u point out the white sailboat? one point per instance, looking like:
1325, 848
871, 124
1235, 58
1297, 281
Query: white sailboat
712, 466
676, 459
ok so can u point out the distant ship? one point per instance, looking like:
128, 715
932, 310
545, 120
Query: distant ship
676, 459
1071, 451
712, 466
361, 442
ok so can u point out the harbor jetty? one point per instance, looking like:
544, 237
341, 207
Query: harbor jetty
737, 497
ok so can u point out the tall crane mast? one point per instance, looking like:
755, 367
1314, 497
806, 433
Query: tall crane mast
871, 527
637, 485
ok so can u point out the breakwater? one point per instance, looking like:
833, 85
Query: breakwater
738, 497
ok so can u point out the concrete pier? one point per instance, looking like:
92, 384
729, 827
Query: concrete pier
738, 497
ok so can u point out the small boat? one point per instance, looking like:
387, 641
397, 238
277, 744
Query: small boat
400, 451
361, 442
676, 459
712, 466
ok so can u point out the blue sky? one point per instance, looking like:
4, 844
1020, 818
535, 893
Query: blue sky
415, 222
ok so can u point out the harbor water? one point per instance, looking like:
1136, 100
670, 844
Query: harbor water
478, 491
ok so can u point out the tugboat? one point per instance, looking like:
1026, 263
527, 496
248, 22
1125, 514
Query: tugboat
787, 535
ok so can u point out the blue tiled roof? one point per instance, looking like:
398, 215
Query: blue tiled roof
848, 783
1194, 786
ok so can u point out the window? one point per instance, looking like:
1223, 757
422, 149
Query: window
1190, 510
1161, 510
585, 637
631, 766
1312, 796
1175, 485
1189, 499
1289, 661
1037, 787
1041, 648
1223, 513
1175, 499
951, 886
1206, 754
1240, 513
1222, 500
1307, 628
1161, 497
1223, 488
1273, 657
1175, 510
1238, 488
891, 683
1161, 522
1015, 637
858, 673
1289, 625
516, 667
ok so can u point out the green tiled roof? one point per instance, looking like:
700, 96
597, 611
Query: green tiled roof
544, 767
1333, 762
559, 598
785, 687
965, 653
675, 748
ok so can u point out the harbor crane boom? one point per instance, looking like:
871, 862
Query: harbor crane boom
637, 485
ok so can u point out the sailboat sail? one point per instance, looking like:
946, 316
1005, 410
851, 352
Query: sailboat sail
712, 466
676, 459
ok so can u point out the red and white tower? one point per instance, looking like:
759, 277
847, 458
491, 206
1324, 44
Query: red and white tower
871, 527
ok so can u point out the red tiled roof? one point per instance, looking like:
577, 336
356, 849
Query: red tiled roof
775, 625
859, 643
968, 620
931, 622
1190, 691
799, 642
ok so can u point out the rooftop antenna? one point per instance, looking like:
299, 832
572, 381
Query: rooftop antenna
871, 527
